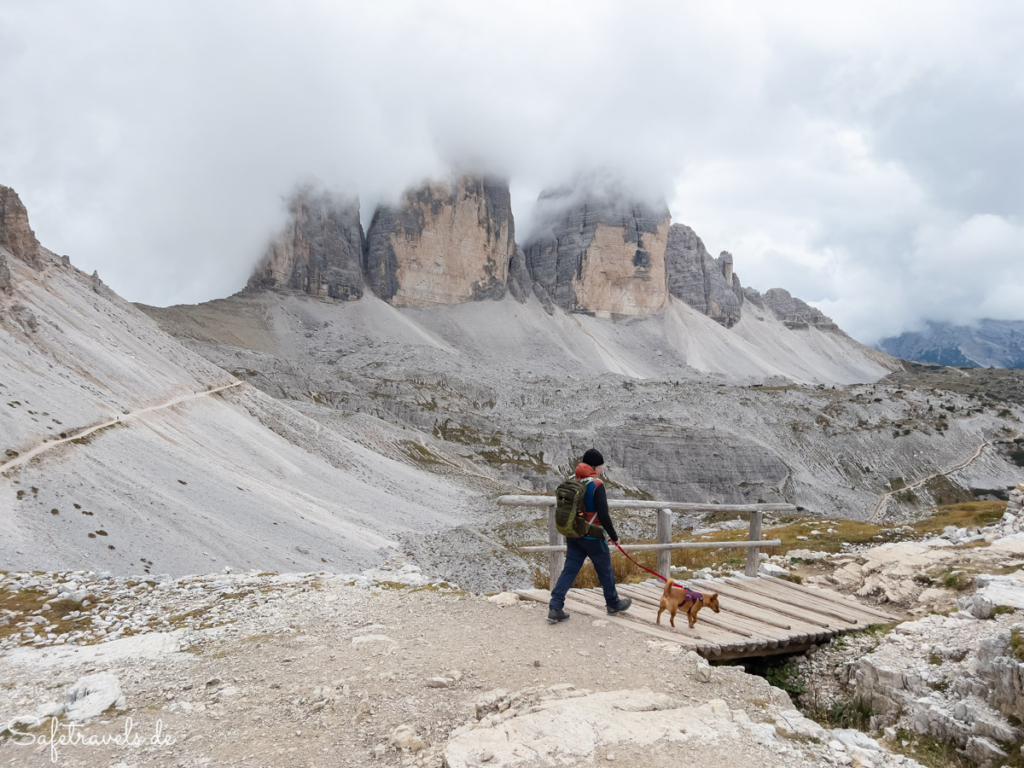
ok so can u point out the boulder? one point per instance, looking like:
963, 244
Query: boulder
93, 695
444, 243
770, 569
320, 250
597, 250
404, 737
1002, 673
540, 735
706, 284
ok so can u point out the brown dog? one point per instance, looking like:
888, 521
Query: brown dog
691, 602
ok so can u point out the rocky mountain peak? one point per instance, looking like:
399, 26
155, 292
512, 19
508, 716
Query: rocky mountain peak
444, 243
797, 314
320, 250
15, 233
706, 284
599, 250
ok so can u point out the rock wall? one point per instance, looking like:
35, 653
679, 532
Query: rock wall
445, 244
319, 252
599, 254
706, 284
15, 233
796, 314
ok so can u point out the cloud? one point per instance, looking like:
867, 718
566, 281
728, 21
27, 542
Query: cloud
850, 154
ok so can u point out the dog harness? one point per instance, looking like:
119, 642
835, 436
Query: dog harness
693, 595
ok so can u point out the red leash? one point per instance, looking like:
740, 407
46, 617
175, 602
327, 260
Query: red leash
653, 573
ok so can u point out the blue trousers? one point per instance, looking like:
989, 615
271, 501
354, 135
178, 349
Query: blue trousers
578, 552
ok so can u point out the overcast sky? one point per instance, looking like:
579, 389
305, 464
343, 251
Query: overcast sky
869, 157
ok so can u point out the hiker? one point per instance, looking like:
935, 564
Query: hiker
593, 545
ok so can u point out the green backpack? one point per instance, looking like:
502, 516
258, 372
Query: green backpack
569, 519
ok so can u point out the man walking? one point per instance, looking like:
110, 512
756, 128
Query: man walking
595, 506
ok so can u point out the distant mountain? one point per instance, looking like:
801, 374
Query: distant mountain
988, 344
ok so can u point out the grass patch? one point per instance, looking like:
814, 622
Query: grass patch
971, 514
848, 713
928, 750
1017, 644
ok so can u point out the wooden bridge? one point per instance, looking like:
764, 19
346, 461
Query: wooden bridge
759, 616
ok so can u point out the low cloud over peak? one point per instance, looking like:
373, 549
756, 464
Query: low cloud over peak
866, 158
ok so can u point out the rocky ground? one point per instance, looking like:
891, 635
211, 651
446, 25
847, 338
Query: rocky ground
318, 669
951, 680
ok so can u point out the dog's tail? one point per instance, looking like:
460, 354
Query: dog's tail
668, 587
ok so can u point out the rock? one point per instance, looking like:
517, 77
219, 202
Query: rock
850, 576
444, 244
320, 250
93, 695
807, 555
520, 284
791, 722
849, 737
978, 605
440, 682
404, 737
770, 569
596, 250
984, 752
699, 280
15, 233
504, 598
599, 720
796, 314
364, 639
702, 674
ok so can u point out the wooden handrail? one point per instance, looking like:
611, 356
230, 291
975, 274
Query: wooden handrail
679, 506
675, 545
556, 545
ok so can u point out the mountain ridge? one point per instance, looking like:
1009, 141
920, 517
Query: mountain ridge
986, 344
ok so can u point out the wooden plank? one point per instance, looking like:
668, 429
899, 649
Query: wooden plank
720, 635
765, 603
753, 625
846, 599
797, 648
702, 647
640, 597
820, 605
652, 598
815, 626
596, 602
733, 621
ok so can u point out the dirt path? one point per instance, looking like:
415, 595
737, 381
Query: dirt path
882, 502
24, 458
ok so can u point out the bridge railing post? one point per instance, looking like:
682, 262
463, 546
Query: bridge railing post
665, 537
754, 553
556, 560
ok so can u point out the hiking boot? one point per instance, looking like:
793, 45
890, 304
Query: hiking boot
623, 605
556, 616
